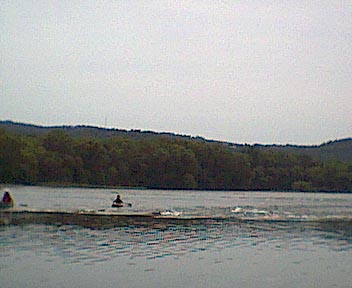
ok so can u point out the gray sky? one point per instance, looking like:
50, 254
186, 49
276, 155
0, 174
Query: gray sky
240, 71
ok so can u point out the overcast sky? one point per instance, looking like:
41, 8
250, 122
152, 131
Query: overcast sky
240, 71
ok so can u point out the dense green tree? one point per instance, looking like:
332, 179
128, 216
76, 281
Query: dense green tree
30, 162
95, 160
163, 163
10, 157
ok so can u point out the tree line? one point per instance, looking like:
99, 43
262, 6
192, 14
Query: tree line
163, 163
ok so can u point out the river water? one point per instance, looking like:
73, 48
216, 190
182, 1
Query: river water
270, 239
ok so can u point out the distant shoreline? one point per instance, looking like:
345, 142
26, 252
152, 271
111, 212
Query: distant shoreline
88, 186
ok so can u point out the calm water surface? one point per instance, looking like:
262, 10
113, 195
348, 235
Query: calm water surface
309, 244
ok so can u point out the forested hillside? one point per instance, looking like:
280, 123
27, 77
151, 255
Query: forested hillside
334, 150
87, 131
162, 162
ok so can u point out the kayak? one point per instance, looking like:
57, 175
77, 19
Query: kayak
117, 205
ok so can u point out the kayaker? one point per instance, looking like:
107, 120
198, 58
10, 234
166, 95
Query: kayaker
118, 199
7, 199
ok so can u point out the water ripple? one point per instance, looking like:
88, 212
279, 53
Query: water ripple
75, 244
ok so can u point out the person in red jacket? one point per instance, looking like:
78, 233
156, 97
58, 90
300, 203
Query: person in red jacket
7, 200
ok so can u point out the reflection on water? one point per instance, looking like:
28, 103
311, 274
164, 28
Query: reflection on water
150, 240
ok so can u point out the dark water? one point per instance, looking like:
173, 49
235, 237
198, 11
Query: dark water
277, 240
